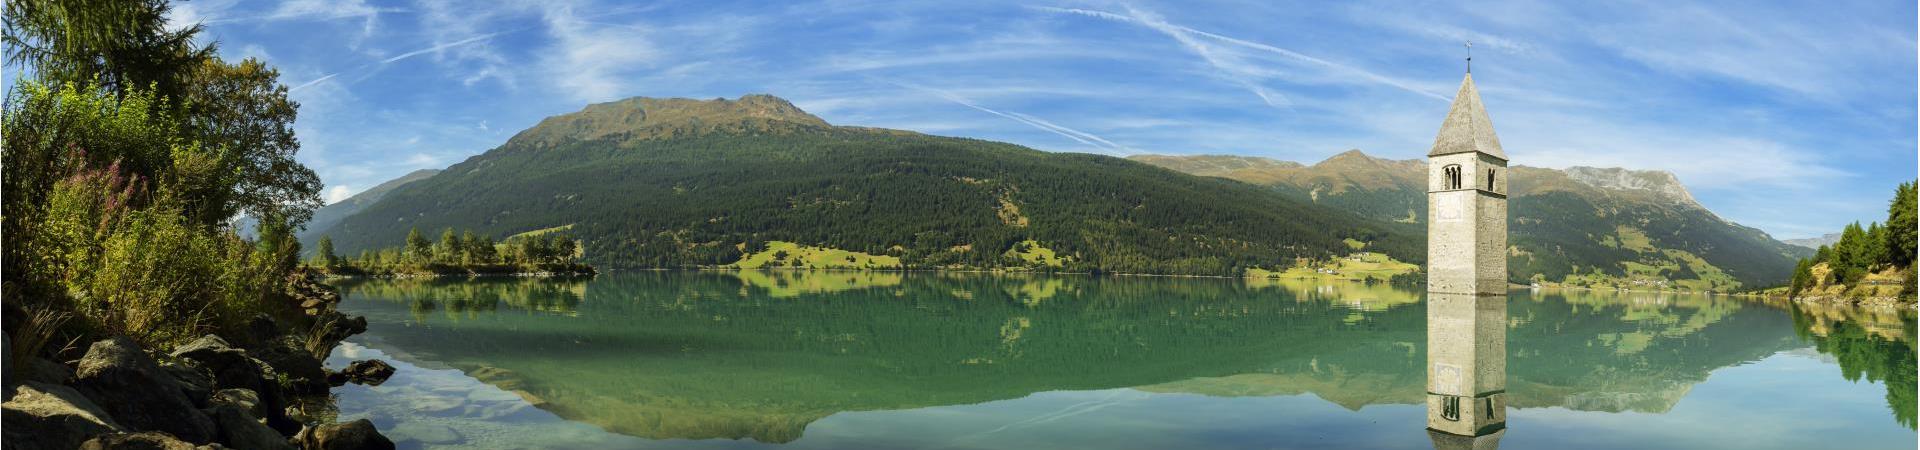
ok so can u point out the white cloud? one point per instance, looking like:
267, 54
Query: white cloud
337, 193
591, 61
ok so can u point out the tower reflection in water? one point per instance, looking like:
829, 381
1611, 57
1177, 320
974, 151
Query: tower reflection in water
1466, 370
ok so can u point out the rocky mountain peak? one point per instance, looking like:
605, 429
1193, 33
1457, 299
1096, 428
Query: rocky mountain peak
1660, 183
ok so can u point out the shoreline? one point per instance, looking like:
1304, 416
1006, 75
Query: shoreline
263, 386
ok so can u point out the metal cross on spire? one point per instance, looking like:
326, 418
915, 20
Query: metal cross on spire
1469, 56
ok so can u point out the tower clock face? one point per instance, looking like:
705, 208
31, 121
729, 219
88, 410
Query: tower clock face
1449, 209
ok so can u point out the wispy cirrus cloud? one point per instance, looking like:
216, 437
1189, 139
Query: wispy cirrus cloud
393, 59
1187, 37
1096, 142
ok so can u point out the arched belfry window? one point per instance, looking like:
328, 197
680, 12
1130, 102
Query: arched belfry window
1452, 175
1490, 184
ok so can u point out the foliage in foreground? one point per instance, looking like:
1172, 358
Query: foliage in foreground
126, 150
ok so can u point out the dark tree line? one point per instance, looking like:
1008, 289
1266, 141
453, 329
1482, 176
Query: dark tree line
454, 250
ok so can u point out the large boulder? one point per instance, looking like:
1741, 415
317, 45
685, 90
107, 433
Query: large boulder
126, 383
355, 435
244, 399
195, 382
51, 416
136, 441
45, 371
239, 429
304, 373
232, 368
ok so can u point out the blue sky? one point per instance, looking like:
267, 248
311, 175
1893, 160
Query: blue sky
1793, 117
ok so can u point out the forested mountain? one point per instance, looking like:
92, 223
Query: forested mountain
327, 216
676, 182
1580, 225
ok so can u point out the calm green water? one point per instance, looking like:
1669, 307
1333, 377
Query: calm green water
857, 360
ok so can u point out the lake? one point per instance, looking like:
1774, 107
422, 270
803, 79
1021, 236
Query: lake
803, 360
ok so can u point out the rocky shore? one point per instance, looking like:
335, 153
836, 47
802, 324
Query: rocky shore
261, 389
1863, 302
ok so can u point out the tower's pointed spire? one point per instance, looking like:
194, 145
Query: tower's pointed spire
1467, 128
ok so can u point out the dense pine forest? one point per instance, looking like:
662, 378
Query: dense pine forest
668, 192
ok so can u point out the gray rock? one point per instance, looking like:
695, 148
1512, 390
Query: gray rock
370, 372
355, 435
51, 416
230, 367
233, 368
117, 375
426, 433
45, 371
136, 441
239, 429
244, 399
304, 373
194, 381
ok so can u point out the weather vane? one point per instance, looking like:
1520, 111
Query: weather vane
1469, 56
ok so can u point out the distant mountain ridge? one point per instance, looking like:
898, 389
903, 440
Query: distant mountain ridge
327, 216
680, 183
1815, 242
1582, 225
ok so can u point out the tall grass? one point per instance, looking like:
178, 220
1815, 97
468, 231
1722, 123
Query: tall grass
41, 327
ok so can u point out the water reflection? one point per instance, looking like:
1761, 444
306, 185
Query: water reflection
1466, 370
765, 356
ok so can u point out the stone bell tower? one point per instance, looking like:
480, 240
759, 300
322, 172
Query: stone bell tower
1466, 279
1467, 202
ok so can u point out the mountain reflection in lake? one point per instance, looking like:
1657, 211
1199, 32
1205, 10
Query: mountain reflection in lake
798, 359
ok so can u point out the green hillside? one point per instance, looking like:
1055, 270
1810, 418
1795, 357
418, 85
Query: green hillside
327, 216
1581, 226
678, 183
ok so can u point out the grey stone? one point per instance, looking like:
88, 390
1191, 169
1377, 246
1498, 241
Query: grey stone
136, 441
45, 371
244, 399
117, 375
239, 429
370, 372
355, 435
304, 373
426, 433
233, 368
194, 381
51, 416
